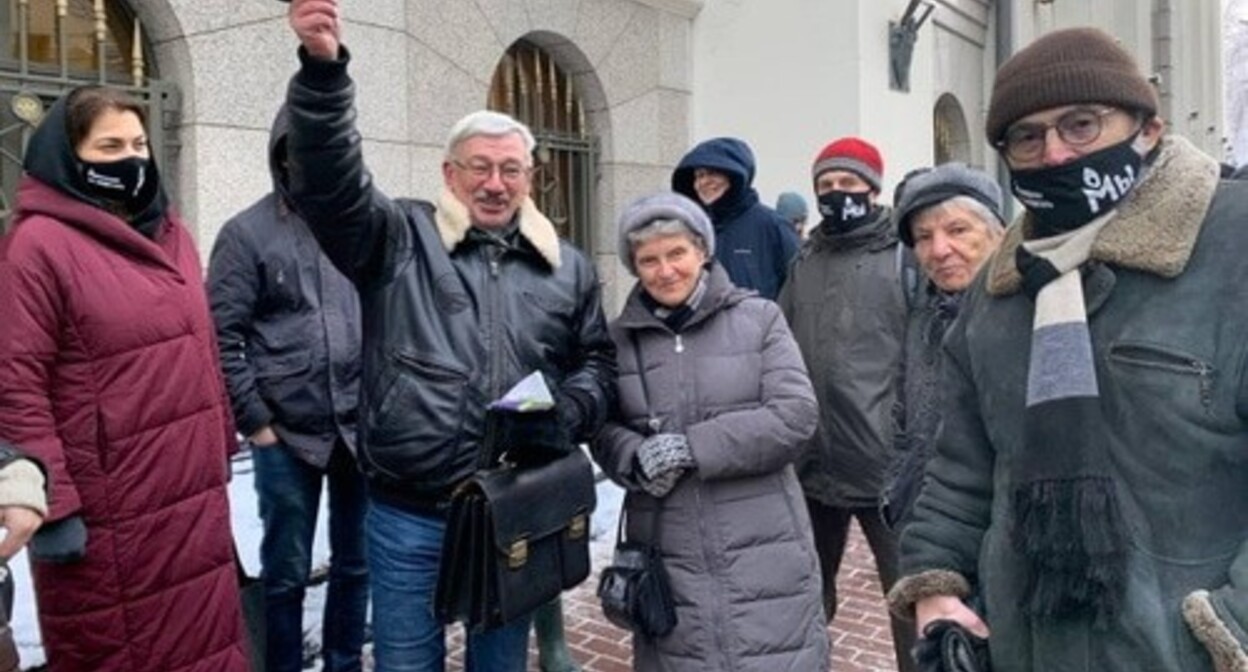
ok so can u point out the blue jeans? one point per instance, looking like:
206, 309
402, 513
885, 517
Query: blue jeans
403, 553
290, 491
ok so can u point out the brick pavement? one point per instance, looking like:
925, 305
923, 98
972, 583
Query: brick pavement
861, 641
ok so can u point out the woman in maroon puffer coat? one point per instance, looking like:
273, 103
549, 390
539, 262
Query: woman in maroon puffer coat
109, 375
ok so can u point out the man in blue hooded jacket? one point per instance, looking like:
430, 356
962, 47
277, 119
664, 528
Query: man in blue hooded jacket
753, 243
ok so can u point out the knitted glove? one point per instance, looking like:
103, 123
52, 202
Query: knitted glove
663, 453
60, 542
660, 486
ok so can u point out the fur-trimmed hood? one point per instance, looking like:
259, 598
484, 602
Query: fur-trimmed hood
1155, 228
454, 223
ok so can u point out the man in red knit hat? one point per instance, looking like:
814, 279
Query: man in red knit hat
846, 301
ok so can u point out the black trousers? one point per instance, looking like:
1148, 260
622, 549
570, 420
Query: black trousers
831, 527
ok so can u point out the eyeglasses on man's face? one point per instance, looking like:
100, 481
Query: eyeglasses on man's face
1078, 127
509, 171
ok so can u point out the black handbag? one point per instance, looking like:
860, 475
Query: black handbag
634, 589
517, 536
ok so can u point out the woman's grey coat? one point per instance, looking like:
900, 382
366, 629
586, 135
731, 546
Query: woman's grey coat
735, 533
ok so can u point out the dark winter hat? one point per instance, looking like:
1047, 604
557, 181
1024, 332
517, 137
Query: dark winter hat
791, 206
1065, 67
662, 205
853, 154
923, 189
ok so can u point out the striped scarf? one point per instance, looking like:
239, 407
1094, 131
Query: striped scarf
1067, 522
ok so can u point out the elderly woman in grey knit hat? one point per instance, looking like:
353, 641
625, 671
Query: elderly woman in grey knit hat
1087, 504
951, 216
714, 402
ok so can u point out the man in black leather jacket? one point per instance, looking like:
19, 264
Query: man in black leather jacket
460, 301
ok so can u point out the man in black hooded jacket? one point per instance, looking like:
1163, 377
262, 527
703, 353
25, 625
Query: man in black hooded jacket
288, 325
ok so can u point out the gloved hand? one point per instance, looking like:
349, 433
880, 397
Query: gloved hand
662, 459
660, 486
61, 542
534, 436
946, 646
664, 452
572, 407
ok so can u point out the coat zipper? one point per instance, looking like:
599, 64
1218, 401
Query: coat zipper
708, 557
496, 337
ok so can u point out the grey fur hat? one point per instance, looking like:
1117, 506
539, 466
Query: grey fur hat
924, 188
662, 205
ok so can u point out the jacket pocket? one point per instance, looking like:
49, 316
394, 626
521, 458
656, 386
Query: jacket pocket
1164, 367
414, 432
284, 366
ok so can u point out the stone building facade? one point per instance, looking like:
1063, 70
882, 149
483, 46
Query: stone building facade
618, 89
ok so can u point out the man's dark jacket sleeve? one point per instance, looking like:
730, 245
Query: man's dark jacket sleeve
329, 184
592, 386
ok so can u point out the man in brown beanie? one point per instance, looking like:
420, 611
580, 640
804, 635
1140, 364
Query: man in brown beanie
1087, 506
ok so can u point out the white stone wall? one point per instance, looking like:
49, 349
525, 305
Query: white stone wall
1191, 81
789, 77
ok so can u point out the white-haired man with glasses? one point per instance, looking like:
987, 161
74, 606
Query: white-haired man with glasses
1087, 506
460, 301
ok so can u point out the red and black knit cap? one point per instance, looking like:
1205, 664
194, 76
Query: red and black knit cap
853, 154
1067, 67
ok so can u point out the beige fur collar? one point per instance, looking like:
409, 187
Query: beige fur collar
1153, 231
454, 223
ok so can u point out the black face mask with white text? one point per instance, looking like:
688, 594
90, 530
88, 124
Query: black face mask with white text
118, 182
844, 211
1064, 198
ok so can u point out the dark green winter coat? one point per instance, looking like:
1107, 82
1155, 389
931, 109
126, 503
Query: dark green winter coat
1166, 291
846, 305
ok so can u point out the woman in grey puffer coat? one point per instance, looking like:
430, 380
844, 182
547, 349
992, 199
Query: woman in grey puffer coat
705, 445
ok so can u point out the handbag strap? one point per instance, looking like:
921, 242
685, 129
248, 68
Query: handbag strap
652, 428
652, 420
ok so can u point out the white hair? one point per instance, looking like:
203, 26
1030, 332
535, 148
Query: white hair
492, 124
966, 204
662, 228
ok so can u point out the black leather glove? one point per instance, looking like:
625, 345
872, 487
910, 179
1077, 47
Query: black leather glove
573, 406
534, 436
946, 646
61, 542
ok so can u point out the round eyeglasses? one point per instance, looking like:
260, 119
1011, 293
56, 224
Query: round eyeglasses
1078, 127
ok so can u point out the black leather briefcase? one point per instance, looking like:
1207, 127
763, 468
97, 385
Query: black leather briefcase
516, 537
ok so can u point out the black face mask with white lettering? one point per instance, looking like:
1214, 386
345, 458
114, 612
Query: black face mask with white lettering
1064, 198
844, 211
118, 182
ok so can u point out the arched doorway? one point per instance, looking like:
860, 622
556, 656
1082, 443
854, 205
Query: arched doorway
952, 140
48, 48
529, 85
